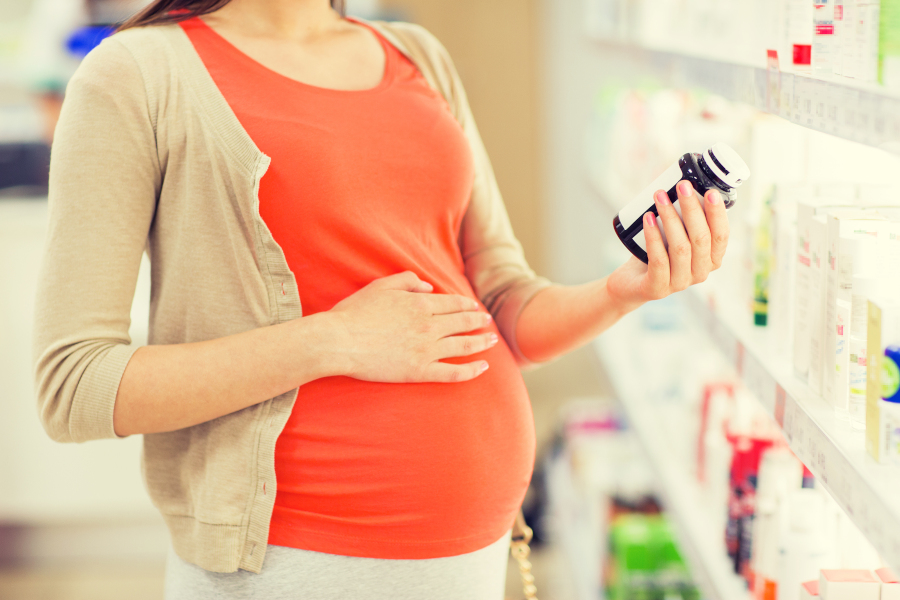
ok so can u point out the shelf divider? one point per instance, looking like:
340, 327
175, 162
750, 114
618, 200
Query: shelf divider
862, 113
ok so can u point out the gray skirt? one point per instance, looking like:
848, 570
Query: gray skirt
292, 574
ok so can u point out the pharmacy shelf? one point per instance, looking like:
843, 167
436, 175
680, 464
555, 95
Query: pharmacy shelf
689, 509
867, 491
862, 113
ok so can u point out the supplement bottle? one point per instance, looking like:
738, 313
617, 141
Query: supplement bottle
719, 168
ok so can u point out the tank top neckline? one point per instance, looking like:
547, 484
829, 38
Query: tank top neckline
387, 76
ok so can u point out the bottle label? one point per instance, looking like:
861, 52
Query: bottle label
634, 210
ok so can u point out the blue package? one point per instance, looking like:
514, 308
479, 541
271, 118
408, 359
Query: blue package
890, 374
85, 39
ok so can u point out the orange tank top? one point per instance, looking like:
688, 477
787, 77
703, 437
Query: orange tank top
365, 184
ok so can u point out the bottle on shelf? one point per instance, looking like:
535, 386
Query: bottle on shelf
805, 547
882, 332
780, 473
865, 286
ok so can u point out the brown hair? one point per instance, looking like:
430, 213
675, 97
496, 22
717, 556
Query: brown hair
160, 12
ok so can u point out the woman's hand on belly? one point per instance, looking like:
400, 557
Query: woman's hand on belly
395, 331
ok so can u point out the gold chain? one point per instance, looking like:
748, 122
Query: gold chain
518, 545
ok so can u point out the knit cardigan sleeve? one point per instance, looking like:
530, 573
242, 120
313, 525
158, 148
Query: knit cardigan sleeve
104, 181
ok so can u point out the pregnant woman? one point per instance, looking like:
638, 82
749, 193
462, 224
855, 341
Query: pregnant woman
330, 400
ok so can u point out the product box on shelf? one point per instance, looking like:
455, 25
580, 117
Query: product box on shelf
644, 560
890, 585
883, 330
818, 244
783, 275
844, 228
856, 33
848, 584
889, 45
809, 299
809, 590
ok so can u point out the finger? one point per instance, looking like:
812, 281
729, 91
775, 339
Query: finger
464, 345
719, 229
444, 304
694, 218
406, 281
447, 373
657, 258
679, 244
463, 322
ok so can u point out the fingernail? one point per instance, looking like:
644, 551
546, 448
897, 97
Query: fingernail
494, 339
662, 198
684, 188
649, 220
488, 317
428, 286
713, 197
484, 367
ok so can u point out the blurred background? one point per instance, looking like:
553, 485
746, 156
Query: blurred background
691, 452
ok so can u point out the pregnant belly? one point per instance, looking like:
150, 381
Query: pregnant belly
404, 470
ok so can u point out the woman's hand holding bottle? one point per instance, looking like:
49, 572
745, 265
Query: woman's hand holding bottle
394, 330
696, 247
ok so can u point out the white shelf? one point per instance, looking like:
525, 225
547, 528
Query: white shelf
867, 491
858, 112
689, 509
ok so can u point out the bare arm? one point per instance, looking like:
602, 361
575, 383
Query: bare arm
561, 318
169, 387
392, 330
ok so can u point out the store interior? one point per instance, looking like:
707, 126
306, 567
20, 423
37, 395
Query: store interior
737, 440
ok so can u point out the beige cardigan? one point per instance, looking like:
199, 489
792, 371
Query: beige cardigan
148, 155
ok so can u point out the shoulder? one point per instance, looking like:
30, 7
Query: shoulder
127, 56
412, 32
417, 42
428, 54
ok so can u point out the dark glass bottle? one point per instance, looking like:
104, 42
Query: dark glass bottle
719, 168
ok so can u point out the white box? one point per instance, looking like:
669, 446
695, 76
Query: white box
848, 584
809, 590
890, 586
802, 317
781, 280
852, 224
818, 241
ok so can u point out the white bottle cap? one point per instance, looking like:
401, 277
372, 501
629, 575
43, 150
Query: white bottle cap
726, 164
